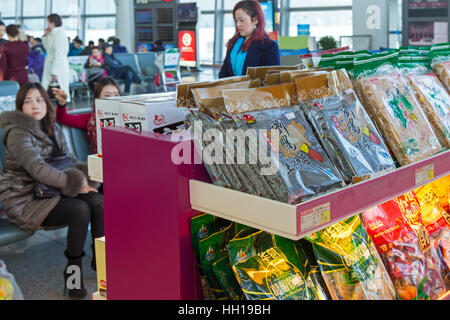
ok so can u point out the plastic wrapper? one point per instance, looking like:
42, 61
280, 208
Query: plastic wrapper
9, 290
269, 267
350, 264
407, 255
392, 103
442, 69
442, 189
437, 223
440, 55
348, 135
434, 100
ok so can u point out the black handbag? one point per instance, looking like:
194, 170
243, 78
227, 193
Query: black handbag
42, 191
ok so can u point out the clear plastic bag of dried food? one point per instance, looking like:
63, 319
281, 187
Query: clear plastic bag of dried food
350, 264
393, 105
440, 55
303, 170
349, 136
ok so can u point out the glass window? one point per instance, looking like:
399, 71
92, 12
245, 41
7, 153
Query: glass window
206, 38
229, 31
66, 7
34, 27
229, 4
33, 8
100, 28
320, 3
323, 23
8, 8
100, 7
204, 5
72, 27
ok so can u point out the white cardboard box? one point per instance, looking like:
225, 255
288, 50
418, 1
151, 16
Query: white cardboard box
95, 168
132, 112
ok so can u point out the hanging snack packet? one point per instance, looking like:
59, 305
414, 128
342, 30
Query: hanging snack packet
396, 110
348, 135
303, 168
437, 223
403, 253
440, 55
434, 100
442, 189
269, 267
350, 264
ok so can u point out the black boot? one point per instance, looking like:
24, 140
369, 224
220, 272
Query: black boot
93, 261
72, 265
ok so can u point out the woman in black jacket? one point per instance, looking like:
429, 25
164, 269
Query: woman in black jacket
250, 46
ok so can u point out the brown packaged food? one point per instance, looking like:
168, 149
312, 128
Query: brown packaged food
442, 69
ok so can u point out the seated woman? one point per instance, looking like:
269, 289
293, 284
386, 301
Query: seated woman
95, 66
33, 140
117, 70
105, 88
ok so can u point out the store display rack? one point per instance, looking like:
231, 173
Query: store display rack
149, 203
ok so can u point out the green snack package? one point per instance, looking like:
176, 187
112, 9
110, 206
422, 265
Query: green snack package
269, 267
225, 276
350, 264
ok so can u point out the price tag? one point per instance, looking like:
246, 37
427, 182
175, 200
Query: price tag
315, 217
424, 174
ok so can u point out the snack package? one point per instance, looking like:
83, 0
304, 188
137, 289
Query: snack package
303, 168
350, 264
406, 255
434, 100
202, 226
348, 135
392, 103
440, 55
259, 73
442, 189
437, 223
269, 267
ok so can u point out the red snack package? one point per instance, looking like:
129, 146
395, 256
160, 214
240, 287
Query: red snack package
405, 249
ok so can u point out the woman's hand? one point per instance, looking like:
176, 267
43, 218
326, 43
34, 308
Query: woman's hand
61, 96
86, 188
54, 78
47, 31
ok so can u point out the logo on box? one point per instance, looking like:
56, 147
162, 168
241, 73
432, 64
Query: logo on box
107, 122
135, 126
159, 120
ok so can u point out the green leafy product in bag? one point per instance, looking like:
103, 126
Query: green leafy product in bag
270, 267
225, 277
350, 264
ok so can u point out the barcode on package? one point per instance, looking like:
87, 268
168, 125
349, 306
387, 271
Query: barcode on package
315, 217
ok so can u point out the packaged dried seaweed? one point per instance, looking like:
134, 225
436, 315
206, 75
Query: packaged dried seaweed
440, 55
406, 254
348, 135
396, 110
303, 168
269, 267
434, 100
437, 223
350, 264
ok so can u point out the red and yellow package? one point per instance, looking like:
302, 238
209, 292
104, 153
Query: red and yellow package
442, 189
405, 250
437, 223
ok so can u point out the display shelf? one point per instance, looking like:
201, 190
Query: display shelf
296, 222
95, 168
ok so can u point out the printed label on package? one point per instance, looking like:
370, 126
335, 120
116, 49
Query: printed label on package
315, 217
424, 174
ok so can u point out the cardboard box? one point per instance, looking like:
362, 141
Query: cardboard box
101, 265
95, 168
144, 112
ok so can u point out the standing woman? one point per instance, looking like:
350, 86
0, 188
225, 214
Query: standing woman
250, 46
56, 66
33, 143
14, 57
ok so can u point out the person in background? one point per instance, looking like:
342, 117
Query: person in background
101, 43
158, 46
118, 48
2, 33
250, 46
117, 70
36, 44
14, 57
95, 66
75, 48
32, 138
56, 66
88, 49
105, 88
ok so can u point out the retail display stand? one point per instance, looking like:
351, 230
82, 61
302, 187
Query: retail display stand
149, 252
149, 202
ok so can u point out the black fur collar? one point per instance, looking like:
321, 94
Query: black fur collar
12, 119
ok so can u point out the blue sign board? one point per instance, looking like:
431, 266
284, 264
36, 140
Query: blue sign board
303, 30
